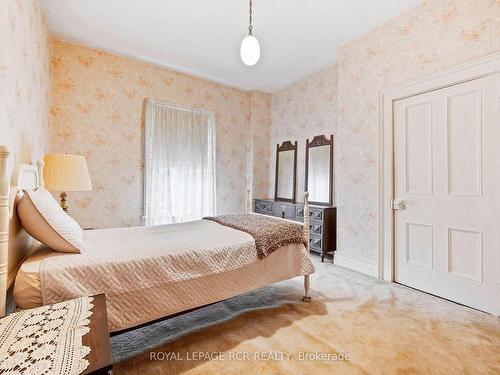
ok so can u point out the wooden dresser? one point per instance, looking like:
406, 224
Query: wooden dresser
322, 224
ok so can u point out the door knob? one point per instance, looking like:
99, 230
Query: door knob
397, 204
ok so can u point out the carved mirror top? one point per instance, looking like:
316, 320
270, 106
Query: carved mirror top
319, 140
287, 146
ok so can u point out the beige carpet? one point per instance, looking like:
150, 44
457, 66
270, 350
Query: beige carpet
384, 328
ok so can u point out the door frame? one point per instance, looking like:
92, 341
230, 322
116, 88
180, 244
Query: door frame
472, 70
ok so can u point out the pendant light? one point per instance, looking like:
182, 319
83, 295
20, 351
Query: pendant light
250, 48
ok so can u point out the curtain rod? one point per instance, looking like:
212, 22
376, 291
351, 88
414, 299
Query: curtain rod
179, 106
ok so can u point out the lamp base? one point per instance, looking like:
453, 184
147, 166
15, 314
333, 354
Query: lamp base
64, 202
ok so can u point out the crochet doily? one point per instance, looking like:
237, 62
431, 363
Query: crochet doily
46, 340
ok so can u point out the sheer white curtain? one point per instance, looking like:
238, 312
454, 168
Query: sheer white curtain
179, 163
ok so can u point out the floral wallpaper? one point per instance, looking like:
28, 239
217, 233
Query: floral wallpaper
432, 36
96, 111
24, 79
302, 111
258, 150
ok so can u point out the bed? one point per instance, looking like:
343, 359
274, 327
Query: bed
147, 273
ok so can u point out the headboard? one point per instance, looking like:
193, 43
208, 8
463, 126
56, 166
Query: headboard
15, 243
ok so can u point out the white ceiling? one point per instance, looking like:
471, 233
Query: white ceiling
203, 37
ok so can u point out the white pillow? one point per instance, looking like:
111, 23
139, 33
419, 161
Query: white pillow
43, 218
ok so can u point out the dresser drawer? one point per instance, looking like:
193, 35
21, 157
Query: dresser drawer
316, 214
316, 243
316, 228
263, 206
284, 210
299, 212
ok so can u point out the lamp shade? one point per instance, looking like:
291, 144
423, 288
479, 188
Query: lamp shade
66, 172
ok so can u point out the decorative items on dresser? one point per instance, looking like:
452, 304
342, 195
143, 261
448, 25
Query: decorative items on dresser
318, 184
322, 221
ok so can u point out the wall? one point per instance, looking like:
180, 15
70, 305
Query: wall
258, 151
302, 111
97, 102
433, 36
24, 79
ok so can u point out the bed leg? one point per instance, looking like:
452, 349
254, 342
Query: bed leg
307, 285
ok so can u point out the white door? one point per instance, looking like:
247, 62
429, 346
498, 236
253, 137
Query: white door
447, 178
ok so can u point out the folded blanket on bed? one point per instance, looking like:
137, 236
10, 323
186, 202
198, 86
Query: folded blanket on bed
269, 233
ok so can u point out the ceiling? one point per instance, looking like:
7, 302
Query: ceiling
202, 37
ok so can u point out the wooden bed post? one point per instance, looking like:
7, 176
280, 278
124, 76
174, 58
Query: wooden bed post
4, 225
306, 218
249, 202
39, 167
307, 281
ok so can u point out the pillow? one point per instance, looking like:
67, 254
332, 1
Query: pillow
43, 219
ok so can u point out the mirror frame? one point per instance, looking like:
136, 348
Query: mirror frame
318, 141
286, 146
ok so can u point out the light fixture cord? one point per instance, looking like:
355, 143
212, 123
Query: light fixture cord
250, 27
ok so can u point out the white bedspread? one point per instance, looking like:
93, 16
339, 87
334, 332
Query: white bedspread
141, 268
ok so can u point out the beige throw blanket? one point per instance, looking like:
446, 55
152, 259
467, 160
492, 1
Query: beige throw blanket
269, 233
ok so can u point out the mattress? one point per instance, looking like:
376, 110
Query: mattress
151, 272
27, 287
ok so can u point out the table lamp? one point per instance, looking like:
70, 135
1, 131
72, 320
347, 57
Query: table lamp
66, 172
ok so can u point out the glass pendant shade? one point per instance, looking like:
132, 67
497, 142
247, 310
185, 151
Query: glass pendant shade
250, 50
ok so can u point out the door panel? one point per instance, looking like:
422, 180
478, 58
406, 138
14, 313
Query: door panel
419, 245
447, 163
418, 139
464, 143
465, 249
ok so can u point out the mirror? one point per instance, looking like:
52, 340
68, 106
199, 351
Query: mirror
319, 170
286, 170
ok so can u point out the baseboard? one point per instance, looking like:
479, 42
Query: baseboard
356, 264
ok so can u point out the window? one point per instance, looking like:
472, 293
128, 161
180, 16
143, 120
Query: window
179, 165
